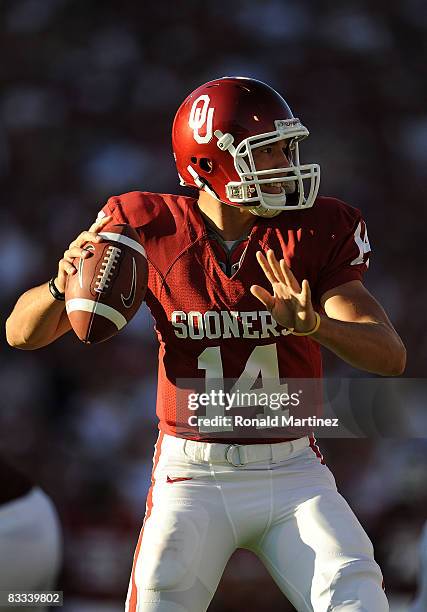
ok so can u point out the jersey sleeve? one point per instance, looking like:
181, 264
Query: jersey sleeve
114, 208
345, 254
136, 208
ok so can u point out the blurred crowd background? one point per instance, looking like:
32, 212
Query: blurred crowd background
88, 94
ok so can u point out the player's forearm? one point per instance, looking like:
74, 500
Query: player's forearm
374, 347
38, 318
34, 319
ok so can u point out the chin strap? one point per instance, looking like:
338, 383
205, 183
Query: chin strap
273, 201
262, 211
271, 210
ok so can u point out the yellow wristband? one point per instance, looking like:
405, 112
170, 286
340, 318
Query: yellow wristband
313, 331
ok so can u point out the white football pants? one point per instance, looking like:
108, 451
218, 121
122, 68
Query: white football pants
286, 509
30, 546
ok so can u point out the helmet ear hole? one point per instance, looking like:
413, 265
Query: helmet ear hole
205, 164
193, 160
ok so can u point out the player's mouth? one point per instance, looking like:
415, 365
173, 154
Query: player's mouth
277, 187
280, 188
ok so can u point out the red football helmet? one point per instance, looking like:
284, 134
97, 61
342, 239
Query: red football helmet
214, 133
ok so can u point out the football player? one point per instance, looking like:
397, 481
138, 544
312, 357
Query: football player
30, 538
246, 283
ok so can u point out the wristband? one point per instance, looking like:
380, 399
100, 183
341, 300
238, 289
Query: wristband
58, 295
313, 331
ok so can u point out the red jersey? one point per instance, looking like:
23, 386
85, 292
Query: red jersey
213, 333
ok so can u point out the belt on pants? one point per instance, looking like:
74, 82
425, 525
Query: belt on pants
241, 454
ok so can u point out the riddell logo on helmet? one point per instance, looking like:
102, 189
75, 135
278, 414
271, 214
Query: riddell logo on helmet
201, 117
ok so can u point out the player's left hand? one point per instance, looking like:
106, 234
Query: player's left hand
290, 304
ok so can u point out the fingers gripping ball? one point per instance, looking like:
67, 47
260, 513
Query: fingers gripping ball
109, 286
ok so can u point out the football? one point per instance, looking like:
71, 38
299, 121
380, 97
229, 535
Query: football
109, 286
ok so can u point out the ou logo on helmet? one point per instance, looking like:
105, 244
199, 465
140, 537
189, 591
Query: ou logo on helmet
201, 116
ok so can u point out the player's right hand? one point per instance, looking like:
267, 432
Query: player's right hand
76, 249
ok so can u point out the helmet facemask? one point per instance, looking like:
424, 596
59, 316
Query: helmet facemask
300, 183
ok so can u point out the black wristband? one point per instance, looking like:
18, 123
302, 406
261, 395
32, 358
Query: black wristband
58, 295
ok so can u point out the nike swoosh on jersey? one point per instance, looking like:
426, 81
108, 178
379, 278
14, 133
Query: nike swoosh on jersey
129, 299
171, 480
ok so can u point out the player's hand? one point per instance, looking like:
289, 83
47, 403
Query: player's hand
65, 266
290, 304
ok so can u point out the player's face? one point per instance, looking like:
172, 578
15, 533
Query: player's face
269, 157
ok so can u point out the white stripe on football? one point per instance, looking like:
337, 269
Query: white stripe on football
113, 315
133, 244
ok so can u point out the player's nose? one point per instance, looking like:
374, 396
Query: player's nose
281, 159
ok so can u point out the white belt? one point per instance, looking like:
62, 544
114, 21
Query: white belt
241, 454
